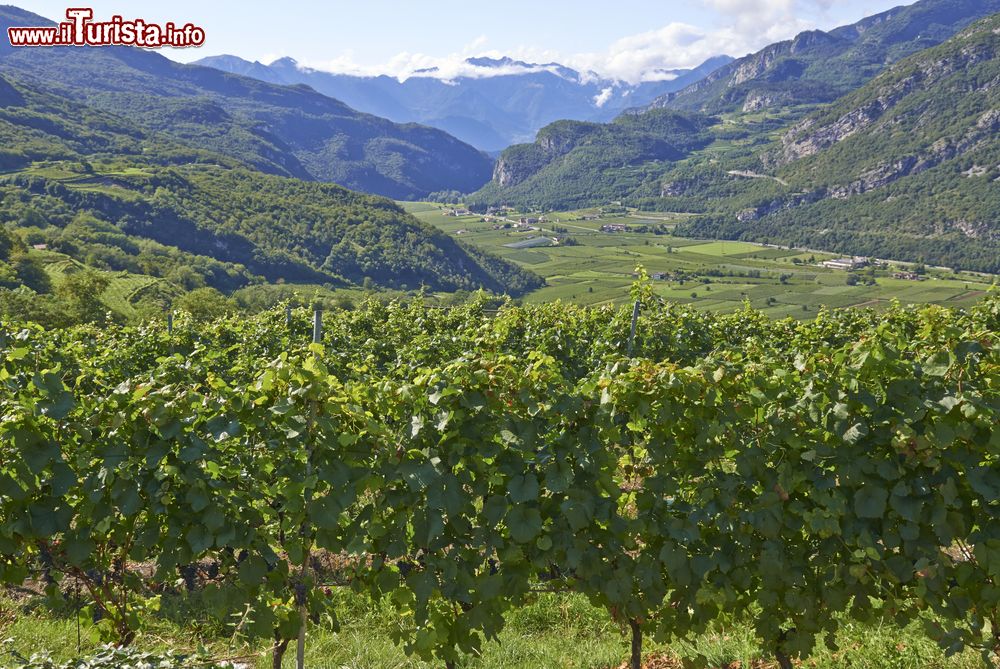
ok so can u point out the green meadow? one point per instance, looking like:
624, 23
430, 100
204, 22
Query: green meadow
595, 267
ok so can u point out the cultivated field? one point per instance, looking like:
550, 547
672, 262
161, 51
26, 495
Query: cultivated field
598, 267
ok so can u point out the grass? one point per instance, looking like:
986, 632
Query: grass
781, 282
531, 242
722, 249
418, 207
557, 631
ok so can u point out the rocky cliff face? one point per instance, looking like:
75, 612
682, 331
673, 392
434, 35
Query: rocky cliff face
983, 132
938, 108
521, 161
817, 66
769, 60
759, 100
810, 137
507, 173
878, 112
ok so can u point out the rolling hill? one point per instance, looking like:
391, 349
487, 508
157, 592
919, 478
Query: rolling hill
115, 196
283, 130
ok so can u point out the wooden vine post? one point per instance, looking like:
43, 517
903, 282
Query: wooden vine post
635, 322
301, 591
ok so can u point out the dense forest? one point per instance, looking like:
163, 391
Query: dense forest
573, 163
90, 186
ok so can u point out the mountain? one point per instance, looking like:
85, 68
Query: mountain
284, 130
572, 163
492, 103
906, 166
87, 186
819, 66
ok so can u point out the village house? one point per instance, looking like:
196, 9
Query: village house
846, 263
614, 227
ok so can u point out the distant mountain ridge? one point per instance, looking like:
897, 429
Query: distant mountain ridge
284, 130
499, 102
818, 66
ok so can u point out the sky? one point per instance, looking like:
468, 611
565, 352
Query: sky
633, 40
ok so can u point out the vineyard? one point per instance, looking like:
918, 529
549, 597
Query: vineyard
453, 462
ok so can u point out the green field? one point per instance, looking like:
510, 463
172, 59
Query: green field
123, 291
713, 275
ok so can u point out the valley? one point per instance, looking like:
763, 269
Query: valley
892, 168
598, 267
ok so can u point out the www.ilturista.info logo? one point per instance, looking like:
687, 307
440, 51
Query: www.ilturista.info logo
80, 30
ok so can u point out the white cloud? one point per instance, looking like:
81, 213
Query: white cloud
406, 65
639, 57
601, 98
740, 27
659, 75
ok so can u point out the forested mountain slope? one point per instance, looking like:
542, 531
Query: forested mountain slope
112, 195
573, 163
906, 166
820, 66
284, 130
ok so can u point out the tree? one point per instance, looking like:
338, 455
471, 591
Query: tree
204, 303
343, 301
80, 294
186, 278
24, 304
31, 273
7, 244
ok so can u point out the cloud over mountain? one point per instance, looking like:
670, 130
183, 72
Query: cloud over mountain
736, 27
